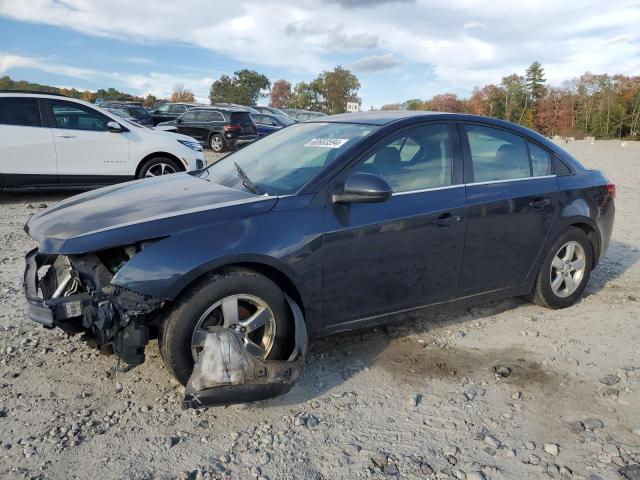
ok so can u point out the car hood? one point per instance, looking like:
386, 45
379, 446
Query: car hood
140, 210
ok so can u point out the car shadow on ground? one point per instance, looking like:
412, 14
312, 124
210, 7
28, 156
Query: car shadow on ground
332, 361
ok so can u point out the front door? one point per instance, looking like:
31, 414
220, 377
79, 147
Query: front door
511, 198
86, 151
406, 251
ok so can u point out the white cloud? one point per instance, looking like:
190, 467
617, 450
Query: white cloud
158, 84
475, 26
375, 63
303, 37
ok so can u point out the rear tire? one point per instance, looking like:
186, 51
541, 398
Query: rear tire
182, 320
157, 166
565, 271
217, 143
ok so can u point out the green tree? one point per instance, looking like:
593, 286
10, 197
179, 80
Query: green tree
244, 88
413, 104
534, 82
307, 96
338, 87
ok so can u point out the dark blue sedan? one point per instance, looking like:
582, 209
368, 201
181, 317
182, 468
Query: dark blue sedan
328, 225
267, 123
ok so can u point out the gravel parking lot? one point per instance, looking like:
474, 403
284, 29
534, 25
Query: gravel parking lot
506, 390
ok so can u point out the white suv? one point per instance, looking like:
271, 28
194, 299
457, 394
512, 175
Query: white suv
49, 140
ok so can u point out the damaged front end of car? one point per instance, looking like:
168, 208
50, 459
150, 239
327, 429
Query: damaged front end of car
74, 293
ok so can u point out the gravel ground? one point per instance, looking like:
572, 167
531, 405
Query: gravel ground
505, 390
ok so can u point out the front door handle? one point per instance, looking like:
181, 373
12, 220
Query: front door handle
445, 220
65, 135
539, 203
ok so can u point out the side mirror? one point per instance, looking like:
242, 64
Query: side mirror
114, 127
362, 187
178, 120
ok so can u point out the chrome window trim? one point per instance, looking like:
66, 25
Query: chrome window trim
520, 179
447, 187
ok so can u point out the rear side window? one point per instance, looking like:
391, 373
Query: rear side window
177, 109
241, 118
20, 111
209, 116
497, 154
540, 160
188, 117
74, 116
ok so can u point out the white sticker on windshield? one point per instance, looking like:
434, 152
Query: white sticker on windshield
326, 142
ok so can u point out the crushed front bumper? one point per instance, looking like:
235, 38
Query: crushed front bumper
49, 312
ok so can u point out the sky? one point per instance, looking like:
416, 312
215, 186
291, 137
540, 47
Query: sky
399, 49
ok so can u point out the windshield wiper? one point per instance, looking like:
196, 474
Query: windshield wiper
246, 181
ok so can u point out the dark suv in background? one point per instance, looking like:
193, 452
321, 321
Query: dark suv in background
135, 110
219, 128
169, 111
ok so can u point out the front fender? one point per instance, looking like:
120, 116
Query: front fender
287, 240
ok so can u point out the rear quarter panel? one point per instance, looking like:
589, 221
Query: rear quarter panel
583, 198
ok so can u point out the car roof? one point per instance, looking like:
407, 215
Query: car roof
225, 108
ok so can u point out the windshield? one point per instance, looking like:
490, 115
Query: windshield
282, 162
284, 120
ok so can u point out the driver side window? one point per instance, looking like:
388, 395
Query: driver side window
416, 159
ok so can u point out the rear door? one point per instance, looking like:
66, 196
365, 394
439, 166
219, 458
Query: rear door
206, 122
405, 252
86, 151
511, 196
27, 151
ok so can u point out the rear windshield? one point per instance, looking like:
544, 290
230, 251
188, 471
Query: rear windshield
138, 112
241, 117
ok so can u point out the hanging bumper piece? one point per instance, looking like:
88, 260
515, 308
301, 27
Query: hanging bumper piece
225, 373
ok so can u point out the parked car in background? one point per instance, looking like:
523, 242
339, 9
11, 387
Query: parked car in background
302, 115
268, 123
169, 111
221, 128
49, 140
134, 109
326, 226
251, 110
269, 110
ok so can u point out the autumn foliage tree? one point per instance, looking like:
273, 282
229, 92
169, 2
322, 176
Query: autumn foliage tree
181, 94
281, 94
600, 105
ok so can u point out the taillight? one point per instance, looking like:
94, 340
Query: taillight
232, 128
611, 189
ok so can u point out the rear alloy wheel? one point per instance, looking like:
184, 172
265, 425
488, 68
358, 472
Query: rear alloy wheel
217, 143
565, 271
158, 166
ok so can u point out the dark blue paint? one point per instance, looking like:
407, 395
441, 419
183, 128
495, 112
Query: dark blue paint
343, 262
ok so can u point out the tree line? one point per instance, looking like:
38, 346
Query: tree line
602, 106
599, 105
329, 92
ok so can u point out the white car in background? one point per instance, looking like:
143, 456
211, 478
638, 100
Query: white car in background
49, 140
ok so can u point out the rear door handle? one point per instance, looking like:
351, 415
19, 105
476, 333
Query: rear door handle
539, 203
65, 135
445, 220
